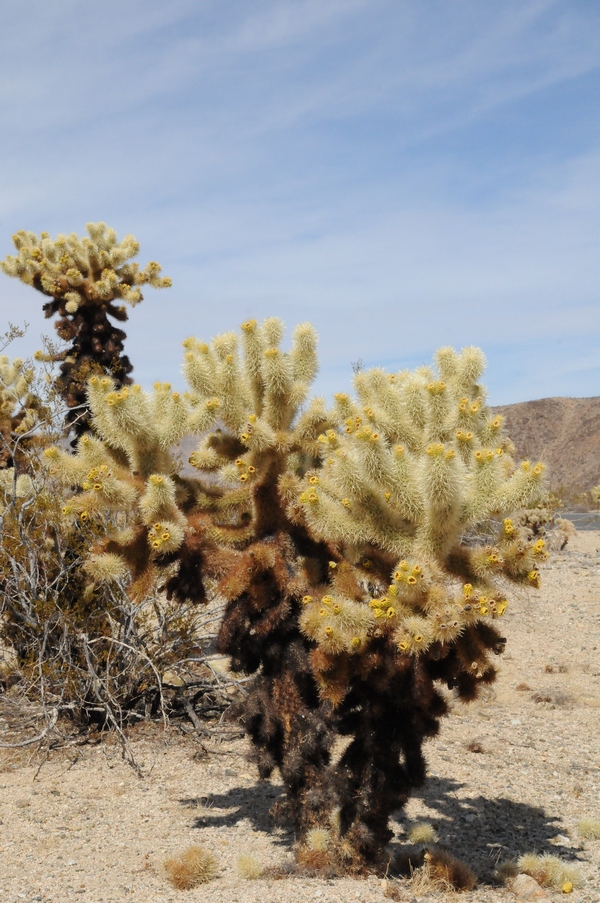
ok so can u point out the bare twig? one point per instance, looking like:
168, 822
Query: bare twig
39, 737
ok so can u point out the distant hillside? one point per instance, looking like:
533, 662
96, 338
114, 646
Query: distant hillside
562, 432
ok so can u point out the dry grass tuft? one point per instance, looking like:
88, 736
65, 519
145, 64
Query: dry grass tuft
475, 747
507, 871
316, 862
440, 873
193, 866
549, 871
447, 870
248, 867
422, 832
552, 696
589, 828
556, 668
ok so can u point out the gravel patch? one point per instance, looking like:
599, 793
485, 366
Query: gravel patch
512, 773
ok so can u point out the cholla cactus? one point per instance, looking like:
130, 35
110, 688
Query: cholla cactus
20, 408
413, 468
87, 279
130, 470
364, 553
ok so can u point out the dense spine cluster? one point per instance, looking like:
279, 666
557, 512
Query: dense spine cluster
364, 552
87, 279
20, 410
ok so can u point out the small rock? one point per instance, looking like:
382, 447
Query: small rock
526, 888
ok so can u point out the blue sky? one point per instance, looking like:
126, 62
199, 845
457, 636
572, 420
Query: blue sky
404, 174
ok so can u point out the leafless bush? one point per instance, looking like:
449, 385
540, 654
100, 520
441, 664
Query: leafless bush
70, 645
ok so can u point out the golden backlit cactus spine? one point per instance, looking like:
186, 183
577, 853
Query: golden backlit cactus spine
87, 279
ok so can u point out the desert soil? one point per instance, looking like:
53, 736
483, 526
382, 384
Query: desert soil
512, 773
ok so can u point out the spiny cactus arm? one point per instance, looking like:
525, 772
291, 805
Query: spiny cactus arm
141, 425
104, 485
438, 590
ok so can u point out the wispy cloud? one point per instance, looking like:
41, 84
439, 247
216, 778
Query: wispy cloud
404, 175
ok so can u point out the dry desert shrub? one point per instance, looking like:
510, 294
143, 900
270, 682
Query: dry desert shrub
433, 871
193, 866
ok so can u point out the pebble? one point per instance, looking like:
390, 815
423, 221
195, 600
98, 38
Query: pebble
526, 888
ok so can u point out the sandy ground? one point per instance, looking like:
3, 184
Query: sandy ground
82, 826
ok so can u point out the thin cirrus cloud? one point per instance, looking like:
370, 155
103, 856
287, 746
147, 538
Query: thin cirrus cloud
403, 175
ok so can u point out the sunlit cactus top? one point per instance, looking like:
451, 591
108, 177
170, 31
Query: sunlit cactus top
416, 465
76, 271
86, 279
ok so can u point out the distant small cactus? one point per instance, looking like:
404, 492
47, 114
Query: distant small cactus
550, 871
422, 833
248, 867
87, 280
193, 866
589, 828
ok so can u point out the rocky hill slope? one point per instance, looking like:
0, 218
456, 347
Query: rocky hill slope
562, 432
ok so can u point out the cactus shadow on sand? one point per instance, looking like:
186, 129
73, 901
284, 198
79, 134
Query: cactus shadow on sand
485, 831
257, 805
480, 831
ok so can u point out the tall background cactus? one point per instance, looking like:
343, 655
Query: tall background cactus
87, 279
364, 551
